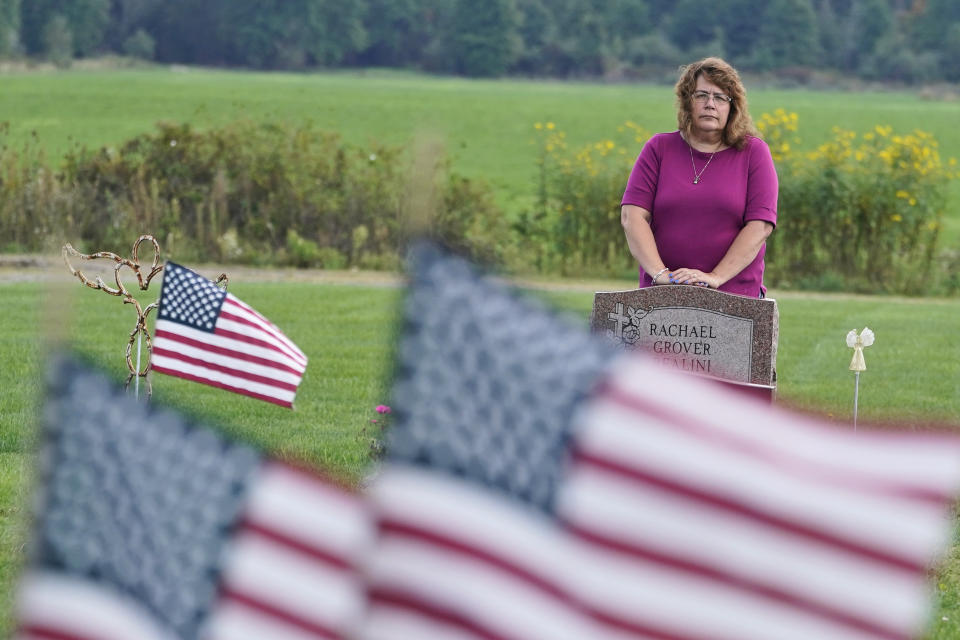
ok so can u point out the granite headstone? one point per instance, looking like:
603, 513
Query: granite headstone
702, 331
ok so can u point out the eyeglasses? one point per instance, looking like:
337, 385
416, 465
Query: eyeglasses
703, 97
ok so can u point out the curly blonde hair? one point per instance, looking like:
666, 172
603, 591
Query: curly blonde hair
719, 72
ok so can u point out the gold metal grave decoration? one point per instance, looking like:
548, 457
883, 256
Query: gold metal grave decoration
144, 276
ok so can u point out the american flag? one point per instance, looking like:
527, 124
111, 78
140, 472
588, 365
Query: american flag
207, 335
152, 527
538, 487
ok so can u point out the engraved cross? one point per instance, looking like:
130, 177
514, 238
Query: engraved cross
621, 320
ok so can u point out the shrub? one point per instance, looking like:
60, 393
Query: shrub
58, 41
140, 45
247, 192
866, 209
577, 224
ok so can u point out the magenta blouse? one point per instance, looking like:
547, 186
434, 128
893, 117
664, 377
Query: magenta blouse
695, 224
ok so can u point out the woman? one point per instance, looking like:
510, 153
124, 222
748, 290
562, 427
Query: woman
701, 201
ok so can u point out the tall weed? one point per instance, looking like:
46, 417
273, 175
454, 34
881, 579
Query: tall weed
246, 192
865, 211
577, 221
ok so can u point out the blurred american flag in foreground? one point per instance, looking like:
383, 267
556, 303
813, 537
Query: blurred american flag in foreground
537, 487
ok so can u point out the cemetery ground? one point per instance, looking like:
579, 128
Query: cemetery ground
346, 323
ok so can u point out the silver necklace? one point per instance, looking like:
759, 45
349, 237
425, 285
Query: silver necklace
697, 174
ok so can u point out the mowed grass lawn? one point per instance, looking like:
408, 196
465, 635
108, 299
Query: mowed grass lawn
487, 125
348, 332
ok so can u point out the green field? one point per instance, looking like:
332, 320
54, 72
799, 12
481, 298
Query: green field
487, 124
348, 330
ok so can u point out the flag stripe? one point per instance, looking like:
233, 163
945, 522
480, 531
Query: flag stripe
50, 603
393, 527
225, 346
302, 547
308, 508
660, 449
706, 498
230, 371
225, 355
560, 587
393, 623
284, 579
933, 493
742, 583
50, 633
244, 330
254, 318
921, 462
646, 517
278, 613
294, 563
404, 599
160, 367
443, 543
236, 621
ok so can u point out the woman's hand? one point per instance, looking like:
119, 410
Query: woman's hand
695, 277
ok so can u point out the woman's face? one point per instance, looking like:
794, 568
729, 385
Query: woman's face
709, 112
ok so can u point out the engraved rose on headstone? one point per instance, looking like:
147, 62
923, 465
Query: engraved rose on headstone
626, 329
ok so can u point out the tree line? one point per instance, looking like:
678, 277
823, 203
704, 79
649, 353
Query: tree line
910, 41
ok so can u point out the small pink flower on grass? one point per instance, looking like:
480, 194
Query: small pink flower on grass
382, 408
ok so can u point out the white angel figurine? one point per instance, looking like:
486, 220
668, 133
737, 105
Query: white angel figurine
857, 343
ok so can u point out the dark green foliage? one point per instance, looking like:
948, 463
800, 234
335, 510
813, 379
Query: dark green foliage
951, 53
289, 34
614, 39
86, 21
392, 29
894, 59
830, 31
57, 40
140, 45
741, 21
931, 28
9, 27
870, 20
483, 36
694, 23
788, 37
127, 17
187, 31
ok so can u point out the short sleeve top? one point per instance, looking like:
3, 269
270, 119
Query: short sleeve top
695, 224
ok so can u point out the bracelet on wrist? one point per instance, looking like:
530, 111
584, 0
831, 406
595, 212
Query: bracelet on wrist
659, 273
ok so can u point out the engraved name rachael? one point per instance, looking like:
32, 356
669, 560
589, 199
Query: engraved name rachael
683, 347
